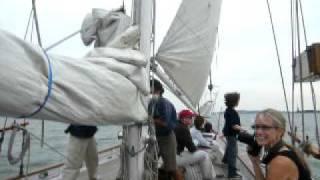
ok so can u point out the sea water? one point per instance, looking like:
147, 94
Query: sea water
55, 150
106, 136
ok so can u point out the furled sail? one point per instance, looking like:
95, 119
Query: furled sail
105, 87
187, 50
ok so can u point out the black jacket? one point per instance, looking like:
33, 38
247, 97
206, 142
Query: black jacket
81, 131
184, 139
231, 118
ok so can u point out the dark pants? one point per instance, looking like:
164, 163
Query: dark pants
168, 150
230, 155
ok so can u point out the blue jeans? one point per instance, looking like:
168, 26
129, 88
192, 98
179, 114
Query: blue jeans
230, 155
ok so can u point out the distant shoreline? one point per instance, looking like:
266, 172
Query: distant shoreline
255, 111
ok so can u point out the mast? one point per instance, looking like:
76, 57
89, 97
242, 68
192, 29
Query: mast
142, 16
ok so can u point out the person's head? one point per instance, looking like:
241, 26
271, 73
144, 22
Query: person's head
269, 127
231, 99
198, 122
156, 87
185, 117
208, 127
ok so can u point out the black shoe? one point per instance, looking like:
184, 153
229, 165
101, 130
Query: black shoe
220, 176
237, 176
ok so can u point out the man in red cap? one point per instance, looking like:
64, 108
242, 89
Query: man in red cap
192, 156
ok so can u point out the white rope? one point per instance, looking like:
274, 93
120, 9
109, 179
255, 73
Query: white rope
28, 164
151, 153
25, 144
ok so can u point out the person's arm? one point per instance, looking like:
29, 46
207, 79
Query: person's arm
313, 150
255, 160
282, 167
237, 127
160, 122
158, 113
199, 137
189, 143
235, 121
307, 147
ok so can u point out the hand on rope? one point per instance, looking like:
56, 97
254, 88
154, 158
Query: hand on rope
25, 144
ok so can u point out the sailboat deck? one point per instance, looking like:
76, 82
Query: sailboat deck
108, 170
110, 163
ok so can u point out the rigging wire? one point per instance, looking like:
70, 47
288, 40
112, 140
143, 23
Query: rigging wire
300, 68
315, 115
35, 17
62, 40
279, 63
151, 153
293, 75
28, 24
314, 101
46, 144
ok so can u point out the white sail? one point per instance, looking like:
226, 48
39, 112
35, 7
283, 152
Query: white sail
105, 87
186, 52
206, 109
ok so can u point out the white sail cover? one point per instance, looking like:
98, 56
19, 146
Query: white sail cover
102, 26
105, 87
187, 50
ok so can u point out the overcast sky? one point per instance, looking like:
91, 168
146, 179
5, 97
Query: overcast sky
246, 59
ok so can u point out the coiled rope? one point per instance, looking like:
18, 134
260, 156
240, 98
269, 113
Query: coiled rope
25, 144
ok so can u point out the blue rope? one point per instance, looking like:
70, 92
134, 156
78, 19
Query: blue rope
49, 87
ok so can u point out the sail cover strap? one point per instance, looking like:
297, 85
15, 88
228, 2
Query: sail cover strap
50, 79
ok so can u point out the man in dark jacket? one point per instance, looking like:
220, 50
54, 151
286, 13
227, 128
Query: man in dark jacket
82, 147
164, 116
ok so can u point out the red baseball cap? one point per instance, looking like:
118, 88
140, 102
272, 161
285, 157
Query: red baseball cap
185, 113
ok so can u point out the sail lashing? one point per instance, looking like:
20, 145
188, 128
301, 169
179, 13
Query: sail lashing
105, 87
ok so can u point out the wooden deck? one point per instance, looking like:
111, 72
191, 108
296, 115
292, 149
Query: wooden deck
107, 170
109, 164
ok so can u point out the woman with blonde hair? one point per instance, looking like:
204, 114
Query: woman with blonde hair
282, 160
